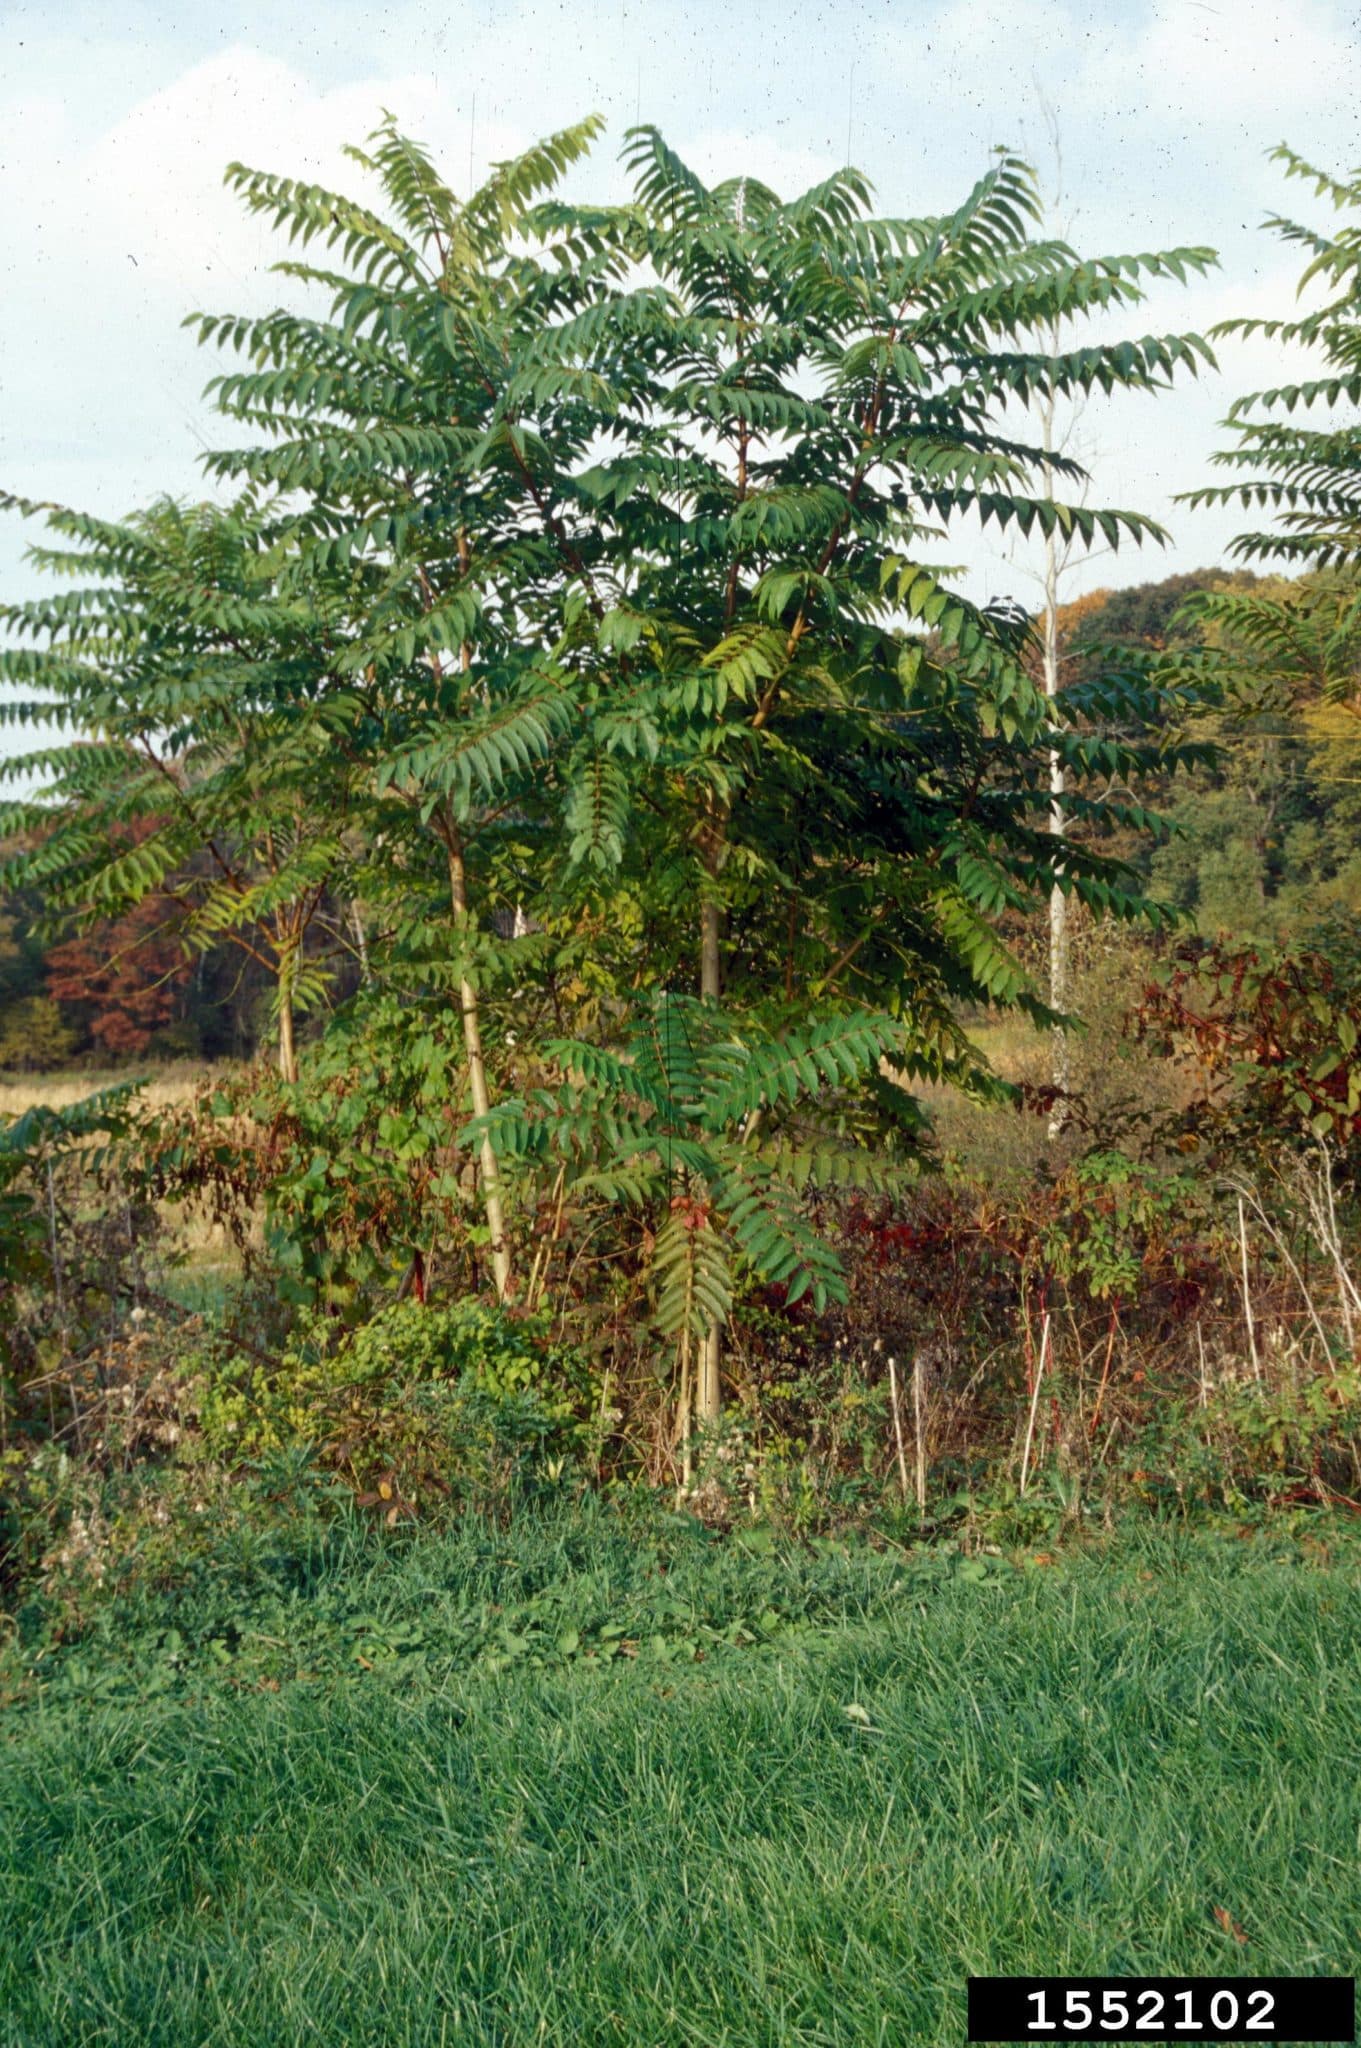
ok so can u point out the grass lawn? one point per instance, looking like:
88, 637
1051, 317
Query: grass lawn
594, 1781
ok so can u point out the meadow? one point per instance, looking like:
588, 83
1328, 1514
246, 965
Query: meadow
594, 1779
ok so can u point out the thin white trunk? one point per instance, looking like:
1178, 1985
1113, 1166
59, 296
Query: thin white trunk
361, 939
1035, 1401
897, 1424
492, 1204
708, 1391
1060, 1060
288, 1051
919, 1429
1247, 1293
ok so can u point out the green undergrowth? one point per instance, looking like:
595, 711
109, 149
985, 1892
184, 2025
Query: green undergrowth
598, 1778
344, 1603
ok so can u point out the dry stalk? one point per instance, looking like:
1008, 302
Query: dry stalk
538, 1277
600, 1426
919, 1414
1035, 1400
1244, 1191
897, 1424
1105, 1374
684, 1404
1247, 1292
1319, 1201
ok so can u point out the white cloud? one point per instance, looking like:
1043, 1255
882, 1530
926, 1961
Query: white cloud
113, 237
1213, 61
1243, 60
716, 154
149, 191
1004, 43
114, 221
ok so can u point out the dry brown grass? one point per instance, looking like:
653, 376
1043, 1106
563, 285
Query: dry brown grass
1121, 1084
211, 1258
174, 1082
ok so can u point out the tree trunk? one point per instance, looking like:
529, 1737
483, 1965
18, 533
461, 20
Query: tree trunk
1060, 1066
708, 1394
492, 1205
1060, 1059
710, 986
361, 940
477, 1078
288, 1052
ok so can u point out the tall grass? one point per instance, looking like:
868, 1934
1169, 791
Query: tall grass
810, 1839
169, 1082
209, 1262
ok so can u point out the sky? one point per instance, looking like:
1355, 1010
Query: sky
117, 121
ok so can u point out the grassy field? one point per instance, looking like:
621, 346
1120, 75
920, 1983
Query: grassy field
588, 1782
175, 1081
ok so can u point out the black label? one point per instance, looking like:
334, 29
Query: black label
1162, 2009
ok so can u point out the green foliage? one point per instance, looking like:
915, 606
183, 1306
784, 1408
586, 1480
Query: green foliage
1261, 833
1115, 1217
803, 1448
356, 1171
1244, 1447
1305, 474
844, 757
1151, 614
34, 1212
580, 574
34, 1036
417, 1405
694, 1118
1268, 648
571, 1584
576, 640
33, 1032
202, 778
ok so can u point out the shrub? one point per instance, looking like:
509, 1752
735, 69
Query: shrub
419, 1405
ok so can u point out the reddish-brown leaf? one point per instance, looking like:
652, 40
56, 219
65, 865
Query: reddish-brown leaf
1224, 1918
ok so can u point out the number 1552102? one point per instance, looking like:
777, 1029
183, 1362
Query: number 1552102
1162, 2009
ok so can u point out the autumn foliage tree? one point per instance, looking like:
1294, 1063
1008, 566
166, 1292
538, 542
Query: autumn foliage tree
126, 978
